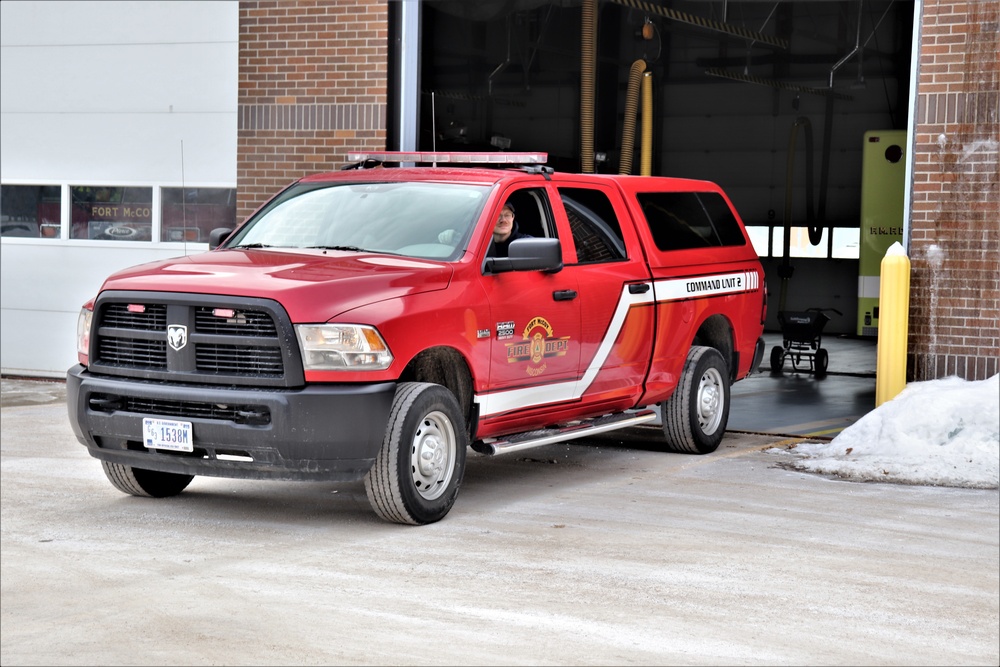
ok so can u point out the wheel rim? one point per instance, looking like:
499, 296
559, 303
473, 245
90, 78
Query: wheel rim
432, 456
709, 401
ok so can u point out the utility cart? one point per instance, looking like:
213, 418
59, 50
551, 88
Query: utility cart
802, 334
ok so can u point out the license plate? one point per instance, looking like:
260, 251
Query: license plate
167, 434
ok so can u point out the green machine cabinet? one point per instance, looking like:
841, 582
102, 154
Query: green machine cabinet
883, 171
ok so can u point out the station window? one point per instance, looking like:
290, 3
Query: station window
759, 239
846, 243
842, 245
110, 213
800, 245
190, 214
31, 211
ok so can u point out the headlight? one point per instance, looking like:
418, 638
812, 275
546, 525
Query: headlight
83, 332
342, 347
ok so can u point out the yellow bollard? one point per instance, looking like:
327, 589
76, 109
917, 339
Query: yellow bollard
893, 324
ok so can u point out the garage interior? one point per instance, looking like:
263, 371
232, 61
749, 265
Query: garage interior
779, 124
774, 101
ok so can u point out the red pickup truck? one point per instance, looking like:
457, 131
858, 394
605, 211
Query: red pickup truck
362, 325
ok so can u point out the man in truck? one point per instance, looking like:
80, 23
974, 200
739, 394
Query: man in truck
505, 231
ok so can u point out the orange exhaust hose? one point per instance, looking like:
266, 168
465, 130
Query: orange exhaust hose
628, 123
646, 159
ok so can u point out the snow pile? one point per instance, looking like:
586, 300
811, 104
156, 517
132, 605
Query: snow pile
941, 433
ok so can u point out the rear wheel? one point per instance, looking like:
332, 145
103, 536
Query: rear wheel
695, 416
145, 483
419, 468
822, 361
777, 358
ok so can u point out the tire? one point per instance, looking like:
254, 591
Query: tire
777, 358
695, 416
145, 483
419, 468
822, 361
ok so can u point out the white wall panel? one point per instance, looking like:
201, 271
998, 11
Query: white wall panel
118, 78
44, 285
108, 90
120, 149
104, 93
114, 22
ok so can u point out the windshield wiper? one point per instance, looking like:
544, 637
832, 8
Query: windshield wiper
349, 248
251, 245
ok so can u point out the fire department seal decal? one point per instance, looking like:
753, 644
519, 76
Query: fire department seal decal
177, 336
537, 344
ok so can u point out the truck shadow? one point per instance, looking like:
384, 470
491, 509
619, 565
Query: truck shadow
491, 483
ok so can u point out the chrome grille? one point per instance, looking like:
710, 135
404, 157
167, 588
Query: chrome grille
133, 352
136, 316
234, 322
238, 359
229, 340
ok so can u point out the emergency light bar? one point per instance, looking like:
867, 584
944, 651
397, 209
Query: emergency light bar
463, 158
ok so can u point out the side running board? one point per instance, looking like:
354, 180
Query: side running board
571, 431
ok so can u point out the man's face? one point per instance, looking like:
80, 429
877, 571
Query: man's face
505, 224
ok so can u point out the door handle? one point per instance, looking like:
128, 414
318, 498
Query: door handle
564, 294
640, 288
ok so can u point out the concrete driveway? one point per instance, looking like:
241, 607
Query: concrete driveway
606, 552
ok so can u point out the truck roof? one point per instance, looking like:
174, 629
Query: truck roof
492, 176
484, 168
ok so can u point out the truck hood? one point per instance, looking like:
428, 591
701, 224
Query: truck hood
312, 285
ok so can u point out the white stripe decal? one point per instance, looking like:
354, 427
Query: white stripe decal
674, 289
625, 301
513, 399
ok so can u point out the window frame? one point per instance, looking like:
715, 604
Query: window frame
63, 226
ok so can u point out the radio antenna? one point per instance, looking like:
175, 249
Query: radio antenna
184, 220
434, 134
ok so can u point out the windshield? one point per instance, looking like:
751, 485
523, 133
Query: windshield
423, 220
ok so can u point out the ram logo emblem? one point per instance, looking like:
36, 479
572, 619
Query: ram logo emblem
177, 336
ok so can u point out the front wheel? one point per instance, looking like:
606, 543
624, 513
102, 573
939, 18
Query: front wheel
695, 416
145, 483
419, 468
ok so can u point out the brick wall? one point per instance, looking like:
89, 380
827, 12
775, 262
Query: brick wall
312, 86
955, 219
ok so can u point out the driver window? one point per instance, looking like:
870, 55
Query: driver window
533, 215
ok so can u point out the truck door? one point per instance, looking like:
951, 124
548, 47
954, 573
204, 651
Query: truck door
615, 294
535, 319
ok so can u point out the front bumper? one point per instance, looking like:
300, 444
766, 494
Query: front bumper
319, 432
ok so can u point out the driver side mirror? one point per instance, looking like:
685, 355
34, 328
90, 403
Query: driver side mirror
531, 254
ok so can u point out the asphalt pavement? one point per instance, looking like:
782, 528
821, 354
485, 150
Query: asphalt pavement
600, 552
